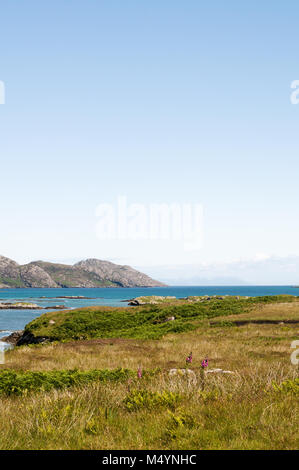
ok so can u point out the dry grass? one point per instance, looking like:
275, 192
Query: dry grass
277, 312
238, 348
233, 412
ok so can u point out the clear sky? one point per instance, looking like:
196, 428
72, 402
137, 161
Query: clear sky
159, 101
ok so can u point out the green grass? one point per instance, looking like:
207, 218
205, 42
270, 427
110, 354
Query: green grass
19, 383
73, 395
17, 283
289, 387
144, 398
144, 322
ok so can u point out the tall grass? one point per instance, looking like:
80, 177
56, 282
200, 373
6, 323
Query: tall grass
242, 413
254, 408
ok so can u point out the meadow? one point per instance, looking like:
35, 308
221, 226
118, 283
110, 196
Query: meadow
75, 393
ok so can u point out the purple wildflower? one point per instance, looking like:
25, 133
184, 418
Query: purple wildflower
205, 363
139, 372
189, 358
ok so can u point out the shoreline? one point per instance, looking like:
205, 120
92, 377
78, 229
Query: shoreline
15, 319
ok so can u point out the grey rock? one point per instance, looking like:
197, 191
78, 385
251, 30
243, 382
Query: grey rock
218, 371
151, 300
124, 276
55, 307
34, 276
29, 338
89, 273
19, 306
13, 338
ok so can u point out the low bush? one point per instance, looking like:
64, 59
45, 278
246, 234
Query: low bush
178, 422
138, 399
20, 383
289, 387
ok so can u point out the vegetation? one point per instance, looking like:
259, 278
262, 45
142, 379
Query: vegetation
19, 383
143, 322
138, 399
88, 273
68, 276
288, 387
86, 394
12, 283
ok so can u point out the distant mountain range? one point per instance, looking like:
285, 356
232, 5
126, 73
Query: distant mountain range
88, 273
260, 270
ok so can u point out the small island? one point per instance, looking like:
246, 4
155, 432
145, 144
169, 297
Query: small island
27, 306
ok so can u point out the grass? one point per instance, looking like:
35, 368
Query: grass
22, 383
267, 312
255, 408
143, 322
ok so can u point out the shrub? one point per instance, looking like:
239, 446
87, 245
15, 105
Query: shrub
289, 387
177, 422
138, 399
19, 383
143, 322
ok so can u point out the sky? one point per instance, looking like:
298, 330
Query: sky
157, 102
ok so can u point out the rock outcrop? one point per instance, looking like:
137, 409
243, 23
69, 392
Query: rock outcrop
13, 338
88, 273
19, 306
34, 276
29, 338
124, 276
9, 273
152, 300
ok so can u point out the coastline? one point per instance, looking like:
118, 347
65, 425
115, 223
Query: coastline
47, 298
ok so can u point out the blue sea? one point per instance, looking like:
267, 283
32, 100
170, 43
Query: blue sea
11, 320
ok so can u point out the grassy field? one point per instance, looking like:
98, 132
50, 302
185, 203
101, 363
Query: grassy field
101, 404
143, 322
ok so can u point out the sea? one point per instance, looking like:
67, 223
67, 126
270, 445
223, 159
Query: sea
12, 320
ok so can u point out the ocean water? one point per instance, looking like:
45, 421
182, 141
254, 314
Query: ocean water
11, 320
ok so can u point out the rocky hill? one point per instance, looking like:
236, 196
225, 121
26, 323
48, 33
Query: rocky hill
88, 273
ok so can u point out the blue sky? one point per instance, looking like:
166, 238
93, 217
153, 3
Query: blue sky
160, 101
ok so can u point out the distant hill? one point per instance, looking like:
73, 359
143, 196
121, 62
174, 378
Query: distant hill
88, 273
